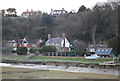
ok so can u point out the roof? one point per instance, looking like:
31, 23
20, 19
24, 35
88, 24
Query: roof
101, 45
59, 10
29, 12
98, 46
19, 41
54, 40
103, 51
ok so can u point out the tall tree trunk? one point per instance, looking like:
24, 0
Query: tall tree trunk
94, 35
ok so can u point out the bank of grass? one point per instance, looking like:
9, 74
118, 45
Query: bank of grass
70, 59
62, 59
13, 57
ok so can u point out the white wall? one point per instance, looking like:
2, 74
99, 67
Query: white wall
67, 44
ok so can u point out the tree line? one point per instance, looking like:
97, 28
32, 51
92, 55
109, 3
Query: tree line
87, 25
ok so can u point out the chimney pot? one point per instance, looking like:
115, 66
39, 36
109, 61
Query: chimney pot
63, 35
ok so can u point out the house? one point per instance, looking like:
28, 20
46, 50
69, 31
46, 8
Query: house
92, 47
36, 43
58, 12
26, 43
13, 44
21, 43
61, 43
106, 52
27, 13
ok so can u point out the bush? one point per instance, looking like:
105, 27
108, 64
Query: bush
48, 49
22, 50
7, 50
40, 50
33, 50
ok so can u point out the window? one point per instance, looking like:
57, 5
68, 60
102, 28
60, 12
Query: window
106, 50
98, 50
102, 50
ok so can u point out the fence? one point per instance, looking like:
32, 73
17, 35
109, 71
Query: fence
58, 54
53, 54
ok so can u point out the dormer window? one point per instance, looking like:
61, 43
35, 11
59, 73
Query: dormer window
98, 50
102, 50
106, 50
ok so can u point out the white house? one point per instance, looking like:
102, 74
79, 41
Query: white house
61, 43
58, 12
13, 44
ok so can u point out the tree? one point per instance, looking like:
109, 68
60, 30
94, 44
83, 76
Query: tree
88, 9
22, 50
41, 33
114, 43
11, 12
79, 46
47, 20
3, 12
82, 8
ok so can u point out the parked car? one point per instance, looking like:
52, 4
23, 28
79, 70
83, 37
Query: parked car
93, 56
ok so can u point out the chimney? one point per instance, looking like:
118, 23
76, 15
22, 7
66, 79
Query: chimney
49, 36
63, 35
51, 10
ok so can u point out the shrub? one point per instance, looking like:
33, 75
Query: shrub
40, 50
33, 50
7, 50
22, 50
49, 49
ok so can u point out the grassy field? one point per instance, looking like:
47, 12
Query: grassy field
63, 59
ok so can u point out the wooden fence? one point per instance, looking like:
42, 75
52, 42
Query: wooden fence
58, 54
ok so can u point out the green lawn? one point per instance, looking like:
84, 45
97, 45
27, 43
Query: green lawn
69, 59
13, 57
63, 59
